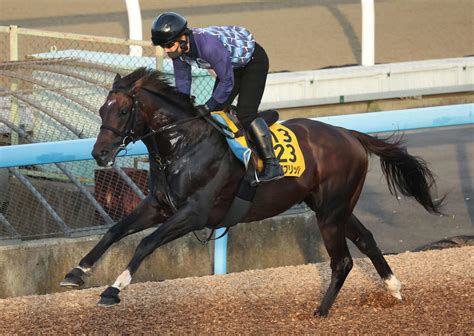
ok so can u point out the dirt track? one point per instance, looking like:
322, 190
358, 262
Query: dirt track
437, 291
297, 34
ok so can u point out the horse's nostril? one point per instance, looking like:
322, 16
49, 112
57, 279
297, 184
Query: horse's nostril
104, 152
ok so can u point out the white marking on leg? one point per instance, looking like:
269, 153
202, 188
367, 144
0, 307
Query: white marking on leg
394, 286
85, 270
123, 280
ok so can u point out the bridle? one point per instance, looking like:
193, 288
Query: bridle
128, 134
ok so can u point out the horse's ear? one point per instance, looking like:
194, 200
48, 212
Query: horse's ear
117, 78
136, 88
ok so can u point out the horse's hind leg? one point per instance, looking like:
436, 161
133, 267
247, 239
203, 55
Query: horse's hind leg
365, 242
332, 230
143, 217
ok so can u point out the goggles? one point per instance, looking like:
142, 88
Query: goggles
168, 45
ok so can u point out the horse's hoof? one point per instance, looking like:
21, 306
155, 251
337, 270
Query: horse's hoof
109, 297
321, 312
73, 278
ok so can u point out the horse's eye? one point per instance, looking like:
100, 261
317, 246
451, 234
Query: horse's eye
123, 111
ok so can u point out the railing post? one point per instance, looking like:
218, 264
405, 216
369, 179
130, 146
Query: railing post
159, 58
134, 26
368, 32
13, 43
220, 252
14, 115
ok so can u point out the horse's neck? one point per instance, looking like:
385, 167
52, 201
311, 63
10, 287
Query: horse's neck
175, 143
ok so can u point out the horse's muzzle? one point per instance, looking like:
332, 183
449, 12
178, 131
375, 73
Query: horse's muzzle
104, 157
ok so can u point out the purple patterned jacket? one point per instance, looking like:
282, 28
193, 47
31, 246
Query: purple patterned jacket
220, 48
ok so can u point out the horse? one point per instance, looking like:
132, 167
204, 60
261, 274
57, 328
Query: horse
194, 177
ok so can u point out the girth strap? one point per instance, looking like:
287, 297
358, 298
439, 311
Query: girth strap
240, 205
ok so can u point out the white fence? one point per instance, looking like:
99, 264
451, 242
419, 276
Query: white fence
363, 83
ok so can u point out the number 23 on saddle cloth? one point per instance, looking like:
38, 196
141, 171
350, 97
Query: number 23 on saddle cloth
285, 144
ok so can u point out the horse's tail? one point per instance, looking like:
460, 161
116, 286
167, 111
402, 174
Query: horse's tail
405, 173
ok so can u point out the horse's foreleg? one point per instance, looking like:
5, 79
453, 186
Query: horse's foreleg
181, 223
332, 231
365, 242
143, 217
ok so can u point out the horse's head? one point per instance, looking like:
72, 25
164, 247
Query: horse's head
140, 103
120, 115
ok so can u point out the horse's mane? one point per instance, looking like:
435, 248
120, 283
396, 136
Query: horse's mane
154, 81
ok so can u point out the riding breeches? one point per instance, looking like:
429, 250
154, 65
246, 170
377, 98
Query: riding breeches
249, 84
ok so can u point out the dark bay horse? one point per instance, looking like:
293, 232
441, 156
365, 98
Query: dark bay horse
194, 177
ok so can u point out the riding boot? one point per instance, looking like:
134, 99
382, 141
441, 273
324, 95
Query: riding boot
262, 138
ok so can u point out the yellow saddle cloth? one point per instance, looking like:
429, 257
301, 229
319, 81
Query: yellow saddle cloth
285, 144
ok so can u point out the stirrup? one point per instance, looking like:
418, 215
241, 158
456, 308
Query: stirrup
273, 178
258, 179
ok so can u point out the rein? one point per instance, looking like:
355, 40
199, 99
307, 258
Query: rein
214, 123
164, 128
128, 134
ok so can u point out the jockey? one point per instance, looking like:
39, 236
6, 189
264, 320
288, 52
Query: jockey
241, 66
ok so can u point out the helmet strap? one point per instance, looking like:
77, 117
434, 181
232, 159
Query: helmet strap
184, 44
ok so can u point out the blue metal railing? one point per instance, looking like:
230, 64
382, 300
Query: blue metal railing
76, 150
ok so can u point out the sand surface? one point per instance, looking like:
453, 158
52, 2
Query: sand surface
437, 299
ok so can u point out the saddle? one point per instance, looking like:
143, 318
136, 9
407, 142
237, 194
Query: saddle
285, 143
286, 148
270, 116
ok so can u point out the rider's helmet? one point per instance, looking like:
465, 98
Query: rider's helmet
167, 27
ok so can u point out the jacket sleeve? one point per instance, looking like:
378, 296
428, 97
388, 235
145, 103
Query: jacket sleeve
213, 51
182, 76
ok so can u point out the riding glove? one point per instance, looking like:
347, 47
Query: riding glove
203, 110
